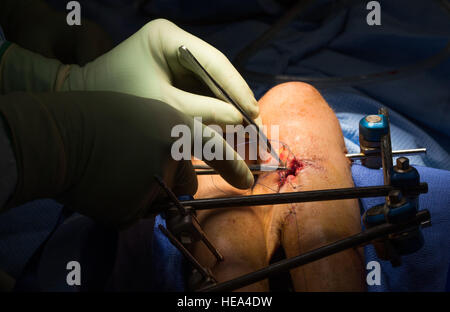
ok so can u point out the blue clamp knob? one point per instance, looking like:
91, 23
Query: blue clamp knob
403, 174
406, 242
410, 240
402, 212
394, 214
373, 127
375, 216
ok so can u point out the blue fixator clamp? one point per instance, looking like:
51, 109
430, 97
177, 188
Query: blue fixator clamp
373, 127
403, 174
394, 213
400, 208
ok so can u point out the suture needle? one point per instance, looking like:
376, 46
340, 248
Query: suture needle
255, 169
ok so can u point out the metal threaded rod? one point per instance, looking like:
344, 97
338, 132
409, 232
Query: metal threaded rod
296, 197
185, 252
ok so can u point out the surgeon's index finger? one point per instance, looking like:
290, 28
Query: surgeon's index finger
219, 67
213, 111
229, 165
227, 77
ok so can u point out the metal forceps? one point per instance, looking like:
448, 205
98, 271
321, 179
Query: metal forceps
188, 60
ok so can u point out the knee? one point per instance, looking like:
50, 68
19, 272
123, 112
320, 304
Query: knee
303, 95
292, 90
296, 87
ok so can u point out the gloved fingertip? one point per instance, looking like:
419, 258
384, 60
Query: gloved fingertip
250, 180
254, 109
247, 179
232, 118
258, 121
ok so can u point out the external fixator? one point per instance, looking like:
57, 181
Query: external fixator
393, 227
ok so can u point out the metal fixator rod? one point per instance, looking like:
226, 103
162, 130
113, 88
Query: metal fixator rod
405, 152
184, 212
296, 197
186, 253
207, 242
319, 253
171, 195
386, 149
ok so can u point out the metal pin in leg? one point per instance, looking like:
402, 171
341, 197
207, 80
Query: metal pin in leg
183, 223
208, 243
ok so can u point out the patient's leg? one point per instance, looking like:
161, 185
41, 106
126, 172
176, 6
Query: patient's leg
248, 237
238, 233
317, 151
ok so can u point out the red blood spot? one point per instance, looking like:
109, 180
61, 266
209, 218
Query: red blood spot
294, 166
283, 155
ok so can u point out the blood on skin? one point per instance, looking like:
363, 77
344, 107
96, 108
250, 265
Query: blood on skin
294, 166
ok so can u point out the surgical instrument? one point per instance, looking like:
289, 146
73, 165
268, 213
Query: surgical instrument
188, 60
261, 169
255, 169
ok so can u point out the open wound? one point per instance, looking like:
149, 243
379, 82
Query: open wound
293, 164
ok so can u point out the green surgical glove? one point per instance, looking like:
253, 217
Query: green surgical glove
146, 65
86, 151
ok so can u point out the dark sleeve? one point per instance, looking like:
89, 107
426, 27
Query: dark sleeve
36, 26
19, 16
8, 169
9, 14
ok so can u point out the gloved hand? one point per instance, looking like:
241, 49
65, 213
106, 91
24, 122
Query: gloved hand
146, 65
86, 151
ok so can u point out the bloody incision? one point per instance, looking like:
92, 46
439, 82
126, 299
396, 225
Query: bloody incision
294, 166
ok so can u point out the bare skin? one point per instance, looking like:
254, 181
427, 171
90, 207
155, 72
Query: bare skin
248, 237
